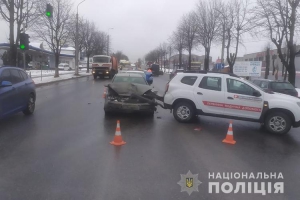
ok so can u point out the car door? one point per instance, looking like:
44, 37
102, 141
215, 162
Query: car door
19, 85
240, 101
27, 85
209, 94
8, 95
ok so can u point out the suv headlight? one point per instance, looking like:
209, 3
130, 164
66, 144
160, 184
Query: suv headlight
298, 104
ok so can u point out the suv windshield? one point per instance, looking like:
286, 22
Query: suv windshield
101, 60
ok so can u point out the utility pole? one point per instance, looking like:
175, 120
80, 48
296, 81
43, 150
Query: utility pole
76, 43
107, 52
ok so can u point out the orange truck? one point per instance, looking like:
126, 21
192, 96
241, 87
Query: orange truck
104, 66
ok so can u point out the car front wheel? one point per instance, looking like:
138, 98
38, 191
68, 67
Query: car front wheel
278, 123
30, 105
184, 112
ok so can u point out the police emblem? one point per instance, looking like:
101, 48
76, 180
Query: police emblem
189, 183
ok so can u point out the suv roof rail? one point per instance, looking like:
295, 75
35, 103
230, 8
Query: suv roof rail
206, 72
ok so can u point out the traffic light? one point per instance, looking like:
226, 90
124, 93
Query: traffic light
24, 41
49, 10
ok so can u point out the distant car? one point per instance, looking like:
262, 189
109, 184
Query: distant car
64, 66
17, 92
174, 72
283, 87
129, 92
147, 75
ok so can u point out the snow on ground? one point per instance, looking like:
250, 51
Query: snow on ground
44, 73
63, 76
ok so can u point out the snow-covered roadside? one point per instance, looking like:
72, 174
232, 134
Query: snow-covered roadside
50, 79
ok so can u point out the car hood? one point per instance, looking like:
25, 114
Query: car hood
281, 96
126, 89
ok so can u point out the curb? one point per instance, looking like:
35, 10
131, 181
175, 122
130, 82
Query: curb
67, 79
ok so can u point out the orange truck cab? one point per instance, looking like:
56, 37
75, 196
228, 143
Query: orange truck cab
104, 65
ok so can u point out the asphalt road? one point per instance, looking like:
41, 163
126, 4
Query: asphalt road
62, 152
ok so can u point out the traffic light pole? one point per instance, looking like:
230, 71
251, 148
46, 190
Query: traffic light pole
24, 60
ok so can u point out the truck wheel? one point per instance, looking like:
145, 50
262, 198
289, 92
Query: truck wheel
95, 76
278, 123
184, 112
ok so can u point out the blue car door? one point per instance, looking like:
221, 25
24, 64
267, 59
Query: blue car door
8, 95
20, 87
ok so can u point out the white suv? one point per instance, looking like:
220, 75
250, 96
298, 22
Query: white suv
229, 96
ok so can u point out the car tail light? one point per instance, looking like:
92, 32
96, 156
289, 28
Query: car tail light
104, 93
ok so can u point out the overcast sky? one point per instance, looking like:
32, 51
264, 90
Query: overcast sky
141, 25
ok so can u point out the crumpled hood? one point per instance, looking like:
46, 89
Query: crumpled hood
126, 89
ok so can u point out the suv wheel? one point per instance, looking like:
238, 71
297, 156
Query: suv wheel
278, 123
184, 112
30, 106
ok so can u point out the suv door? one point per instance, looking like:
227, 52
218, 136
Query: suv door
240, 101
209, 95
8, 95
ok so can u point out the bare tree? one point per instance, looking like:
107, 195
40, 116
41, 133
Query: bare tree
170, 52
236, 17
120, 56
54, 31
81, 31
100, 43
152, 56
189, 29
207, 22
177, 42
268, 60
163, 48
17, 12
277, 19
88, 39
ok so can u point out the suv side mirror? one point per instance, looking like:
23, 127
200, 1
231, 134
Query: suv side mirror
6, 84
256, 93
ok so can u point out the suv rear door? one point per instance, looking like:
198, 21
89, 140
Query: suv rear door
209, 94
239, 100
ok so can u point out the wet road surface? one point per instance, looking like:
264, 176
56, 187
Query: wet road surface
63, 151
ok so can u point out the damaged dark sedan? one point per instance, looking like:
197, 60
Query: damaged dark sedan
129, 93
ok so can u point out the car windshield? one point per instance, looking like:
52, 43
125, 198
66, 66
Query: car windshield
128, 79
282, 86
101, 60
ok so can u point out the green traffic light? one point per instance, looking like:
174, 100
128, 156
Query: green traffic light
22, 46
48, 14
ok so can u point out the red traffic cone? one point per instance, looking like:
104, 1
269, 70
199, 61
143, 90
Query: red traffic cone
118, 141
229, 137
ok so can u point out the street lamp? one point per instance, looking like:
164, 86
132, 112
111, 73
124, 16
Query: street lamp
108, 40
76, 42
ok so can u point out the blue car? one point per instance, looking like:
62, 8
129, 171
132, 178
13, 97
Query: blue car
17, 92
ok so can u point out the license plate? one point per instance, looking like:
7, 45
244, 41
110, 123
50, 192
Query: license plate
130, 107
99, 72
